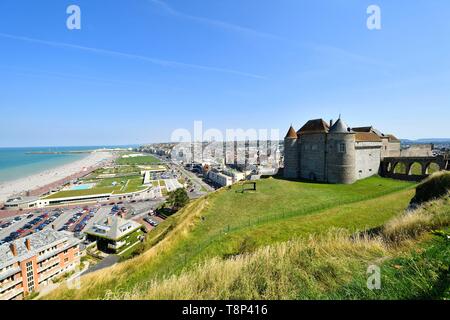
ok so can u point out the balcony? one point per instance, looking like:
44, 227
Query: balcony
51, 263
9, 284
11, 294
48, 274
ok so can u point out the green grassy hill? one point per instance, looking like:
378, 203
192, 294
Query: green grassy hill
229, 223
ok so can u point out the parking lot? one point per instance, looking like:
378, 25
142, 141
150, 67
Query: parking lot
74, 220
77, 219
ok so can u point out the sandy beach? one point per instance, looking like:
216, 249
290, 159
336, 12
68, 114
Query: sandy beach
36, 181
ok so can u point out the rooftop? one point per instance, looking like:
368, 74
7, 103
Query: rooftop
314, 126
20, 200
340, 127
367, 137
39, 241
113, 228
369, 129
291, 133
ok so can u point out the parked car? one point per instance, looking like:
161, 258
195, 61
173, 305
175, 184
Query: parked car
14, 235
30, 216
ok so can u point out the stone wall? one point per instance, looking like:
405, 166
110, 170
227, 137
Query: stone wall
390, 149
417, 150
341, 165
312, 156
368, 155
291, 159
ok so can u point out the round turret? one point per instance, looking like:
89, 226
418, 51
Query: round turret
291, 158
341, 154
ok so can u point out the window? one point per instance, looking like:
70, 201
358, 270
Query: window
342, 147
30, 276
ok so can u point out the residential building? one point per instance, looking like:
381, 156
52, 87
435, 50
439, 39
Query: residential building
29, 263
115, 234
220, 179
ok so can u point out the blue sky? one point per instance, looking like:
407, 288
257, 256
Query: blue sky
139, 69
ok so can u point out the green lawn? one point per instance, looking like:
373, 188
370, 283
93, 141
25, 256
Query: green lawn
144, 160
126, 184
117, 170
280, 210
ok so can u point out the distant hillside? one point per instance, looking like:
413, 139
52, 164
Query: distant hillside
423, 141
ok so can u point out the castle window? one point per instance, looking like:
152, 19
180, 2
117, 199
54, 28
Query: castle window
342, 147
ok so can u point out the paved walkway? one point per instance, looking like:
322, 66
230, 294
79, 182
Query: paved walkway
172, 185
105, 263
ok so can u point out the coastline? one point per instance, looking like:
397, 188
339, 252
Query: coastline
48, 177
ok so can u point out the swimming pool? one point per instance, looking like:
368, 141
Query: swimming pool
85, 186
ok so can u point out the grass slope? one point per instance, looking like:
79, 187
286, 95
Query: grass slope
412, 265
228, 222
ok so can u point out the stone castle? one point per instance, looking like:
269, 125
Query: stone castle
335, 153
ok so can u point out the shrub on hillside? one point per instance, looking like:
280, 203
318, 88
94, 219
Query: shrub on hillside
436, 186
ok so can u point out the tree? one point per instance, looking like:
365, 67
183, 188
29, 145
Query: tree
178, 199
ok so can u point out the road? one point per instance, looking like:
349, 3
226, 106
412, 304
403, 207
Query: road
105, 263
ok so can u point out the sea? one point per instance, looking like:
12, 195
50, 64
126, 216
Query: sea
16, 163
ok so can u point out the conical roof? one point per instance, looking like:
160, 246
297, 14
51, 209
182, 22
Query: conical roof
340, 127
291, 133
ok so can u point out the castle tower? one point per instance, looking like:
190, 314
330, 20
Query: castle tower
291, 159
341, 154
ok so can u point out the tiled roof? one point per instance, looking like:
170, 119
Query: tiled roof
369, 129
367, 137
314, 126
291, 133
362, 129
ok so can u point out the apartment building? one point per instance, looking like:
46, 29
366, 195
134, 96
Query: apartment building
29, 263
220, 178
234, 174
